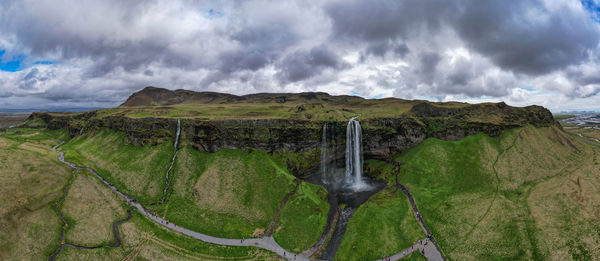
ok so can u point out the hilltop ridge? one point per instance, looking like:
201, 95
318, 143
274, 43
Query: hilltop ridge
155, 96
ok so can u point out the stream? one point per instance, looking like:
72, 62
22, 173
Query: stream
167, 179
343, 201
63, 243
266, 242
346, 193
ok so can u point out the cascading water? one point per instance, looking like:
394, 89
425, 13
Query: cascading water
177, 134
354, 157
332, 167
324, 155
342, 175
167, 180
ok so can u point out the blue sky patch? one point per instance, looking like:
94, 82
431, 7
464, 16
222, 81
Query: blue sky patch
11, 64
16, 63
592, 6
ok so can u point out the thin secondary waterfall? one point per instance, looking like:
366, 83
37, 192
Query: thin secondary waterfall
168, 181
324, 154
330, 154
177, 134
354, 157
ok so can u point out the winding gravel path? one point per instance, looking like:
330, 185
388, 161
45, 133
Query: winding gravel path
431, 250
266, 242
428, 246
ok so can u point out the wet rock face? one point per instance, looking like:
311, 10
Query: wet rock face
381, 136
267, 135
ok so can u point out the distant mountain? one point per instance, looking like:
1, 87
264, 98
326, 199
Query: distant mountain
10, 111
153, 96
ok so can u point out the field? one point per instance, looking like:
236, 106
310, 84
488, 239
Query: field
381, 227
235, 194
563, 116
12, 120
231, 193
32, 179
93, 208
144, 240
511, 197
30, 226
318, 111
302, 219
531, 193
138, 170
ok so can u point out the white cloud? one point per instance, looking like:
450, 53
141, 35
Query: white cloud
460, 50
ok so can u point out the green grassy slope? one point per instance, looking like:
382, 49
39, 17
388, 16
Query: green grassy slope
230, 193
31, 179
381, 227
302, 219
144, 240
138, 170
304, 110
482, 197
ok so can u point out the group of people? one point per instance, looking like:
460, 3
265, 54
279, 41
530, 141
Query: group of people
294, 255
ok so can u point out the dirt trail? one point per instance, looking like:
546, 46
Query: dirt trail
429, 246
275, 218
266, 242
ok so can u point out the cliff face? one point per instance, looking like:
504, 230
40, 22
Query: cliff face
381, 136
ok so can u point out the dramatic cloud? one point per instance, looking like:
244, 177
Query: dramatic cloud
301, 65
95, 53
527, 36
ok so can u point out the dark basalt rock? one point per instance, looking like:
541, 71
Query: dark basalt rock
381, 136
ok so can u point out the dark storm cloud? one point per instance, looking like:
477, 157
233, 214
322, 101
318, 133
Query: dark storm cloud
381, 48
379, 20
75, 36
429, 62
430, 48
505, 32
243, 60
301, 65
260, 45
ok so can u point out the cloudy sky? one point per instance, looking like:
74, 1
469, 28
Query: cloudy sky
73, 53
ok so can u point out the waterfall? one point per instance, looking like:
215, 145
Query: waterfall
354, 157
177, 134
332, 169
167, 180
324, 155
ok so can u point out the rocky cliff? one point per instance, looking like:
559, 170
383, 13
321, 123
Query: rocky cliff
381, 136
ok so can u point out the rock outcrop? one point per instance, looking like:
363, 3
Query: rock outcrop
381, 136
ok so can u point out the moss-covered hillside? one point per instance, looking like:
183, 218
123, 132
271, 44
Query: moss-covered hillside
529, 194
